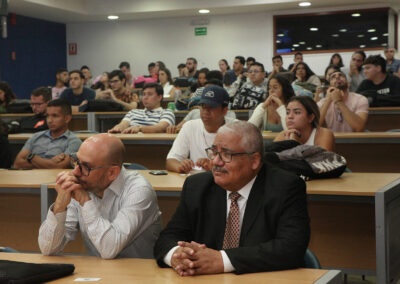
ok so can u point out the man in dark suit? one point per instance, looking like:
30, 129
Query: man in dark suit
274, 223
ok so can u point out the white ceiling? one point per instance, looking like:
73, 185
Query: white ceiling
67, 11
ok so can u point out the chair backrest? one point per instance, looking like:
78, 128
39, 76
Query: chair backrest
311, 260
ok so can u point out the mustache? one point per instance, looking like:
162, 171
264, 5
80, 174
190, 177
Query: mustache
219, 169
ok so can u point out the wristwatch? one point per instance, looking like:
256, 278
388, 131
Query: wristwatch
30, 157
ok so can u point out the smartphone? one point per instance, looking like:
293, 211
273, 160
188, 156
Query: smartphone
158, 173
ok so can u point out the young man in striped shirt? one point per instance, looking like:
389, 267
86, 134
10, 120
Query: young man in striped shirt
152, 119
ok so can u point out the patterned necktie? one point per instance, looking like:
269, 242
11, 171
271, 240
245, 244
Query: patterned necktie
232, 229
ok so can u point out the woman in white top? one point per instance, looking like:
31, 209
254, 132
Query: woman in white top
271, 114
164, 76
302, 120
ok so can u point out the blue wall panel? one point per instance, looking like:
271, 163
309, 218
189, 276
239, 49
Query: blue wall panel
40, 48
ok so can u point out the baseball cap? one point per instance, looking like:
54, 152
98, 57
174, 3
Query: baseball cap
214, 96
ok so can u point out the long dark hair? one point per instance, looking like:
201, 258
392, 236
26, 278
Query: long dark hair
8, 92
287, 90
309, 72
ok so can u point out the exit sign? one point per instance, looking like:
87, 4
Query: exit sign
200, 31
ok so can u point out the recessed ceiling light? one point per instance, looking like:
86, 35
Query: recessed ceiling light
342, 30
278, 41
371, 30
113, 17
280, 35
309, 48
374, 38
296, 45
204, 11
313, 29
335, 35
318, 46
362, 45
384, 44
302, 42
385, 34
356, 15
304, 4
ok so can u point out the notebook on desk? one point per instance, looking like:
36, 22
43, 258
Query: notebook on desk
15, 272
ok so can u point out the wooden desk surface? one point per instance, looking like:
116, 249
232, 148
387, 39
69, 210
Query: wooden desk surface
350, 184
130, 270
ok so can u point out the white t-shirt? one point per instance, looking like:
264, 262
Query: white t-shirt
192, 141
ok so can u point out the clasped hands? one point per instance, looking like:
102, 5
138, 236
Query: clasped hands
195, 259
334, 94
67, 187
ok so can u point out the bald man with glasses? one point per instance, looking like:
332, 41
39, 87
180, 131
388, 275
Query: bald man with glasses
115, 210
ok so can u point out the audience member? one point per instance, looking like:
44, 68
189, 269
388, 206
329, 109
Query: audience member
152, 119
150, 69
271, 114
125, 67
61, 83
40, 97
306, 81
165, 78
237, 70
320, 92
302, 121
115, 210
341, 110
102, 83
377, 83
50, 148
77, 95
181, 69
191, 69
197, 87
298, 57
277, 66
247, 94
88, 81
187, 151
392, 64
6, 96
119, 91
157, 67
355, 73
336, 60
244, 216
249, 61
223, 66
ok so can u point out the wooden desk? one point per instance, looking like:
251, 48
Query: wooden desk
364, 151
344, 224
131, 270
383, 118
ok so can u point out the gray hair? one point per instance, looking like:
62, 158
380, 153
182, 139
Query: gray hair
251, 138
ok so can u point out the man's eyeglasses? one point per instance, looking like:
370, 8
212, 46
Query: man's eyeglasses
84, 168
225, 156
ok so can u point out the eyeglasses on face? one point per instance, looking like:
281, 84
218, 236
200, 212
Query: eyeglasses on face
225, 156
36, 104
83, 167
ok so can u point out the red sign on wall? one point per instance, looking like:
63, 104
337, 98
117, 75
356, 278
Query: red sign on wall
72, 48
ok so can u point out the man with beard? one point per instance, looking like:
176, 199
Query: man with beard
244, 216
187, 151
115, 210
341, 110
50, 149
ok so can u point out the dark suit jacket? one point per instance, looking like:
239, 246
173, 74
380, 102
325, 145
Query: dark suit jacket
275, 230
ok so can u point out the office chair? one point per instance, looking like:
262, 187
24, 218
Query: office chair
311, 260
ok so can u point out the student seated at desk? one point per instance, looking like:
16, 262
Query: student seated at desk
77, 94
187, 151
115, 210
152, 119
302, 120
242, 217
50, 148
341, 110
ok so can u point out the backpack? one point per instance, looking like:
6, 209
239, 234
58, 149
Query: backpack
306, 161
